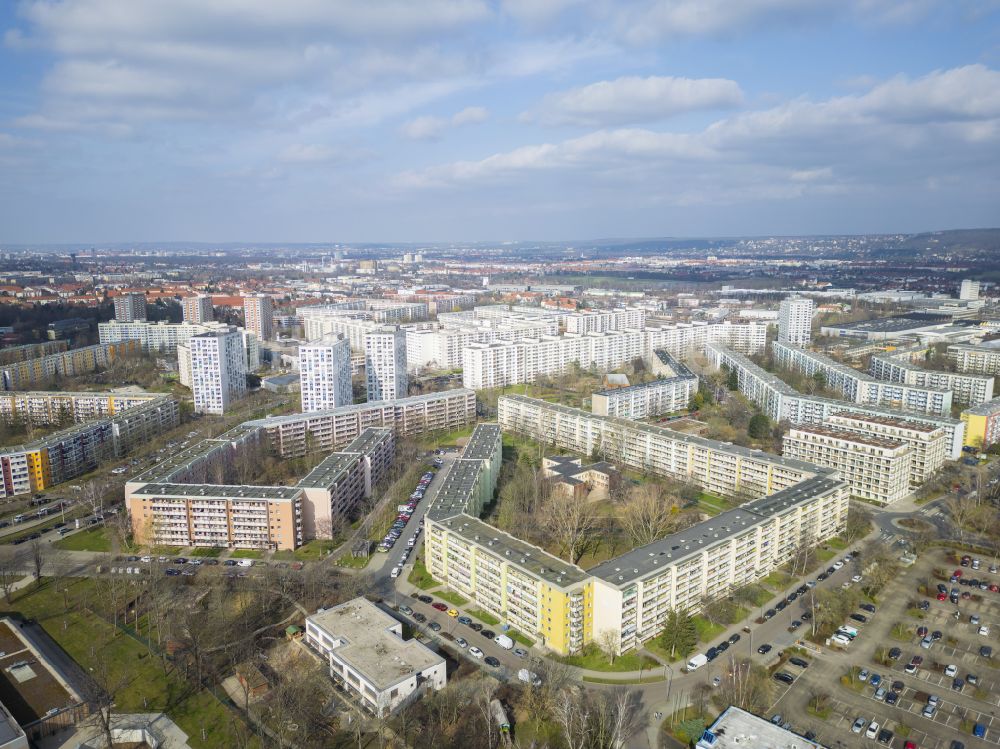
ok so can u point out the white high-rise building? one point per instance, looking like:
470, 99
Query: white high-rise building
325, 374
197, 309
258, 315
218, 370
385, 363
130, 307
969, 290
795, 321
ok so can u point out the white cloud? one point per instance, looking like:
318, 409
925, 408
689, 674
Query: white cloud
306, 153
633, 99
429, 127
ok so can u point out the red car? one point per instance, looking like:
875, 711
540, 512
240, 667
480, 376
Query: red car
439, 606
957, 573
942, 596
909, 745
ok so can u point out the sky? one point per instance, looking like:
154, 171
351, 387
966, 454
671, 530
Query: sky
436, 120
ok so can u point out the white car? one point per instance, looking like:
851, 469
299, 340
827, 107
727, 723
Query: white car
395, 572
984, 630
475, 652
856, 579
872, 731
837, 565
951, 670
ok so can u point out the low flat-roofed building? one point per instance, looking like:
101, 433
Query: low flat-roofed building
366, 653
587, 483
738, 729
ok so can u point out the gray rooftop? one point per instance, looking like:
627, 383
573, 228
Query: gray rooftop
985, 409
329, 471
738, 729
219, 491
273, 421
482, 442
456, 490
370, 646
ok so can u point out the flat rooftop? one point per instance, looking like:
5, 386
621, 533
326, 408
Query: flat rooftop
738, 729
887, 421
892, 324
370, 646
848, 436
274, 421
218, 491
455, 491
329, 471
985, 409
368, 440
482, 444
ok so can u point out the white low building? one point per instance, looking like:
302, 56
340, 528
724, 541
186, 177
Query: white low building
366, 653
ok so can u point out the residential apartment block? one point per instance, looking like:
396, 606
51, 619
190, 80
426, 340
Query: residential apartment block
601, 321
258, 316
163, 337
385, 363
860, 387
670, 393
876, 469
325, 374
781, 402
15, 354
130, 307
218, 370
966, 389
795, 316
108, 426
982, 359
354, 318
565, 607
982, 424
197, 309
367, 656
28, 373
929, 442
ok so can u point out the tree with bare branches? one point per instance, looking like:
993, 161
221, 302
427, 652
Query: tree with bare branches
569, 523
649, 513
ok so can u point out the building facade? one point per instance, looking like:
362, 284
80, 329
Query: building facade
29, 373
130, 307
385, 364
197, 309
982, 424
795, 316
672, 392
984, 360
258, 316
966, 389
218, 370
325, 374
929, 443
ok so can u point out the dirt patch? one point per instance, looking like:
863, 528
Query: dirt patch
915, 524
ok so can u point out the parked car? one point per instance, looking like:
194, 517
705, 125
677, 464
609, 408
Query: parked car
764, 649
785, 677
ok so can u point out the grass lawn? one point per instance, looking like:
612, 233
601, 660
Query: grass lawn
451, 597
353, 562
89, 640
246, 554
92, 539
836, 543
643, 680
518, 637
312, 551
483, 616
712, 504
778, 580
825, 555
420, 577
654, 646
167, 551
761, 595
208, 551
706, 630
593, 659
442, 439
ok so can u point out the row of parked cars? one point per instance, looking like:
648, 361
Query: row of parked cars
405, 513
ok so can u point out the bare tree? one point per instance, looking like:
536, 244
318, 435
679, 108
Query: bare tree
571, 715
10, 571
608, 642
37, 560
569, 523
649, 513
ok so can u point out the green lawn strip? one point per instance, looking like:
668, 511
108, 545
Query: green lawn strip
654, 646
88, 639
246, 554
167, 551
778, 580
420, 577
643, 680
483, 616
208, 551
518, 637
836, 543
825, 555
761, 595
706, 630
451, 597
312, 551
92, 539
353, 562
593, 659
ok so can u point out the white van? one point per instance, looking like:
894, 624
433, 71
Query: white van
504, 641
849, 631
840, 641
244, 563
697, 662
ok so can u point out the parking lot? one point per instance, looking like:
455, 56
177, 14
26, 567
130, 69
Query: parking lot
961, 705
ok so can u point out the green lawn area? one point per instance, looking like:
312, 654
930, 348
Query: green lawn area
712, 504
420, 577
483, 616
208, 551
654, 646
246, 554
353, 562
167, 551
451, 597
518, 637
706, 630
90, 640
825, 555
643, 680
594, 659
92, 539
836, 543
440, 439
761, 595
311, 551
778, 580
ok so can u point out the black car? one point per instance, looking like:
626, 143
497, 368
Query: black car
425, 599
830, 570
859, 618
986, 651
791, 597
801, 590
809, 735
785, 677
769, 613
211, 562
734, 639
936, 634
942, 588
891, 698
867, 607
822, 576
229, 563
722, 647
806, 616
780, 605
957, 684
420, 617
489, 634
180, 560
795, 661
476, 626
924, 605
764, 649
895, 653
711, 654
956, 745
491, 661
884, 736
898, 686
972, 679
